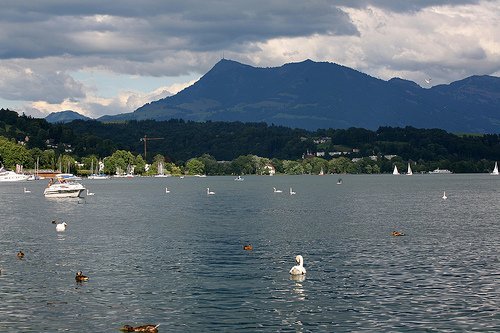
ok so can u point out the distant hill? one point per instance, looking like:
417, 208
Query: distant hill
65, 117
314, 95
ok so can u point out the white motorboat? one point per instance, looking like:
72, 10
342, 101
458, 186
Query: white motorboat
11, 176
63, 188
239, 178
440, 171
98, 176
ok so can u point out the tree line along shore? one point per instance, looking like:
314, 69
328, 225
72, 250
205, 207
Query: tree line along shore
181, 147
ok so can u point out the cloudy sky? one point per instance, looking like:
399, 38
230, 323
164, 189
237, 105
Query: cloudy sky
107, 57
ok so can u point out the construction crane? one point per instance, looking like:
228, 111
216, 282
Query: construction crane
146, 139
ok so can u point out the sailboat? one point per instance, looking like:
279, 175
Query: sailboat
395, 172
35, 176
495, 170
161, 171
409, 172
97, 174
120, 174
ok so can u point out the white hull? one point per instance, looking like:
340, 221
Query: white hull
98, 177
124, 176
440, 171
70, 190
11, 176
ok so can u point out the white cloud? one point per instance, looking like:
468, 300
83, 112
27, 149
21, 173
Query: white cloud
447, 43
94, 106
20, 82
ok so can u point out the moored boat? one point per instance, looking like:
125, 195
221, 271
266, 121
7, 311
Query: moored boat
67, 177
440, 171
409, 172
495, 170
98, 176
11, 176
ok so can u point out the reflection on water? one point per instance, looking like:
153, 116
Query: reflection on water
298, 278
178, 259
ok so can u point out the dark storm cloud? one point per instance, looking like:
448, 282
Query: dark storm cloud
134, 29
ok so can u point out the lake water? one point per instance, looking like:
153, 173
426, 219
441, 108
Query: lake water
177, 259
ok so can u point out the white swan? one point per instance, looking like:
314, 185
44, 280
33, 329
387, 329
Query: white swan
444, 195
167, 190
61, 226
277, 191
292, 192
299, 268
26, 191
210, 192
89, 193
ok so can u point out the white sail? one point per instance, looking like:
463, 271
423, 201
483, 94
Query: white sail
409, 172
495, 170
160, 168
395, 172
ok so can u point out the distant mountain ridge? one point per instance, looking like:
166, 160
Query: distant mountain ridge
65, 117
314, 95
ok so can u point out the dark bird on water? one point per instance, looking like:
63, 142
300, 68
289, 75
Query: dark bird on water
80, 277
144, 328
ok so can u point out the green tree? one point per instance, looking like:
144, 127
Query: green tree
314, 165
292, 167
195, 167
244, 165
12, 153
341, 165
211, 166
48, 160
118, 162
139, 165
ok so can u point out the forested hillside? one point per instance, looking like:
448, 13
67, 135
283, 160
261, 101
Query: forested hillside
178, 141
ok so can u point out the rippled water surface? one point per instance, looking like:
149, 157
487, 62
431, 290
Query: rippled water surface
177, 259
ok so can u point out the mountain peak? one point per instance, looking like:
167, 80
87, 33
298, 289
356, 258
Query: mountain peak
65, 117
314, 95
